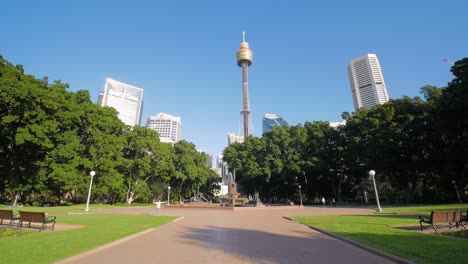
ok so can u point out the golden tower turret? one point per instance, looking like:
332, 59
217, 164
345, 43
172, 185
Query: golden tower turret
244, 53
244, 60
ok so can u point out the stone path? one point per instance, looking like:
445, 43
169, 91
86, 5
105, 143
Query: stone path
221, 236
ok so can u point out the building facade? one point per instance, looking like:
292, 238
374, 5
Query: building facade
125, 98
169, 127
271, 120
233, 138
367, 82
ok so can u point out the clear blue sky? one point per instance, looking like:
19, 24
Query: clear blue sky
182, 53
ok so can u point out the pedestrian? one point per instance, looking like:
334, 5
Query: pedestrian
323, 201
333, 202
158, 206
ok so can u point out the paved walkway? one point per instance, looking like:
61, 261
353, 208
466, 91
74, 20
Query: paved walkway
221, 236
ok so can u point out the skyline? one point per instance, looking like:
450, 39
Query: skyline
184, 55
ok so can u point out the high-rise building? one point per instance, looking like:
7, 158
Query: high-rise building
271, 120
126, 99
169, 127
233, 138
367, 82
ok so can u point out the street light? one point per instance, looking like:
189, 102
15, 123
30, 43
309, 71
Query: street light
92, 173
168, 195
456, 190
372, 174
300, 194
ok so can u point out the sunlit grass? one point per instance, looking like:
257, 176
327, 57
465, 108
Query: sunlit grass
98, 229
377, 231
426, 208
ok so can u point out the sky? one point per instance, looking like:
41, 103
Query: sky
183, 53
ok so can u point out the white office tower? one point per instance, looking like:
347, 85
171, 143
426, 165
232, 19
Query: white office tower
126, 99
233, 138
169, 127
367, 82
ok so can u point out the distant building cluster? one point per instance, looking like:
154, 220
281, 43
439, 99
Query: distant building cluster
128, 101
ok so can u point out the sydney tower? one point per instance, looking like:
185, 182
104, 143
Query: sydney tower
244, 60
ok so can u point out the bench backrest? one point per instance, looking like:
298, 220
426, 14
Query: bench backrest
455, 216
32, 217
6, 214
446, 216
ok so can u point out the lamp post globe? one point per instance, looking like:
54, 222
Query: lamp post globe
372, 174
91, 173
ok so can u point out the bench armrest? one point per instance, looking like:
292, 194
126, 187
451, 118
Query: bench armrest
51, 218
424, 218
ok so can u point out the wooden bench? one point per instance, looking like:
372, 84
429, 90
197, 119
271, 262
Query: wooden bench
7, 217
450, 217
27, 218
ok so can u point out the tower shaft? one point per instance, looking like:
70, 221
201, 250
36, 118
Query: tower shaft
245, 98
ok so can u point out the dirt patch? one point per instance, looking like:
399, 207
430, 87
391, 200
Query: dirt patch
65, 227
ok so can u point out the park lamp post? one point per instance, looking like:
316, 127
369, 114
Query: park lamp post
300, 195
168, 195
372, 174
456, 190
91, 173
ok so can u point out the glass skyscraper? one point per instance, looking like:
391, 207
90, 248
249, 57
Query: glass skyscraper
271, 120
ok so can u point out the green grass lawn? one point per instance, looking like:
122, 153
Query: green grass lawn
99, 229
77, 208
377, 231
425, 208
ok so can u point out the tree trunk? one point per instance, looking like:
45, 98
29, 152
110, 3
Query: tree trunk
130, 193
17, 196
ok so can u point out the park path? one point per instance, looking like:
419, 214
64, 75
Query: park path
224, 236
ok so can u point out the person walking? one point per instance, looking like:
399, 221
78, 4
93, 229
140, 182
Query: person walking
333, 202
323, 201
158, 206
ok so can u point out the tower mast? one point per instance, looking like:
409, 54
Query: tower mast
244, 60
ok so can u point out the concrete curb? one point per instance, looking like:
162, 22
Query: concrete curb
370, 249
111, 244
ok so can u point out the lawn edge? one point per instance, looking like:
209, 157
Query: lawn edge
78, 256
355, 243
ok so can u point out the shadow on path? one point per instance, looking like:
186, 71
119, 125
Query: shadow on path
260, 247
